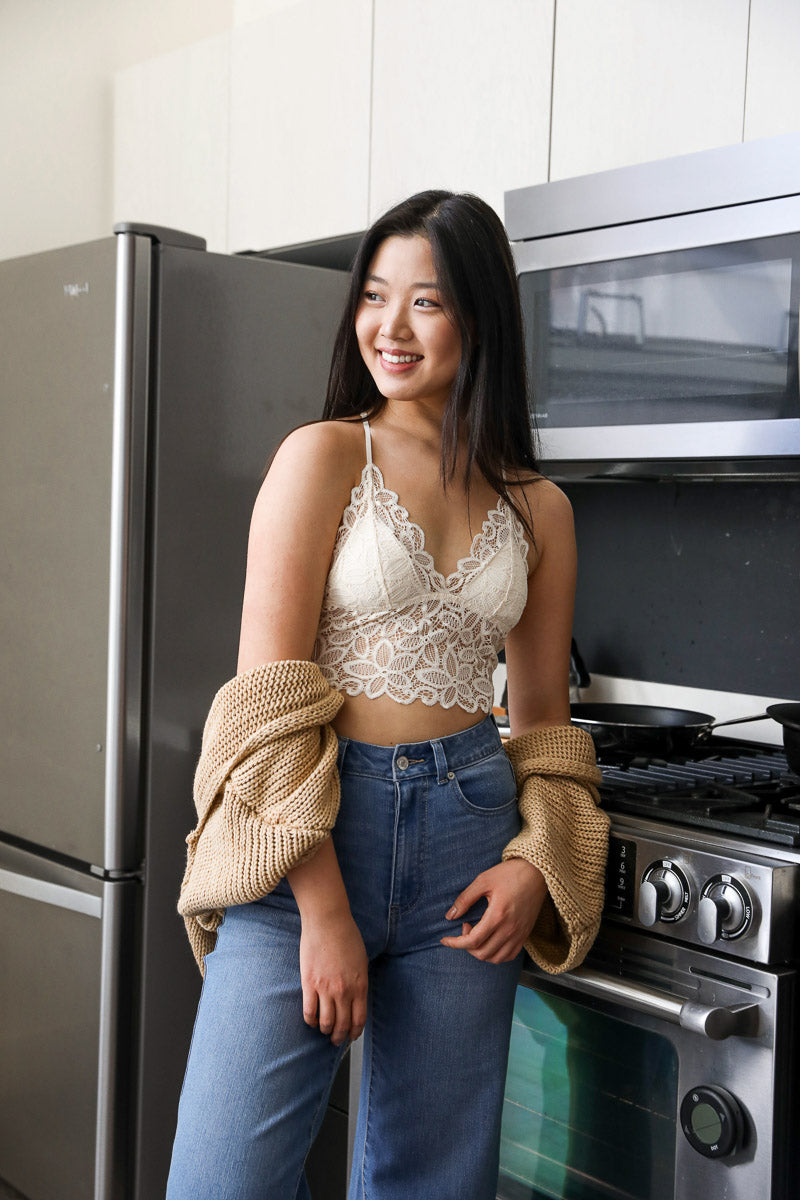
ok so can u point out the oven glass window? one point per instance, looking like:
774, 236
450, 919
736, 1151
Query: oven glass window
590, 1106
707, 334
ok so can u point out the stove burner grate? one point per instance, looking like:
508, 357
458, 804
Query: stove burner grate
752, 794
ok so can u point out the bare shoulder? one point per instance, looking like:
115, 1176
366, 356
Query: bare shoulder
315, 464
547, 500
550, 513
334, 448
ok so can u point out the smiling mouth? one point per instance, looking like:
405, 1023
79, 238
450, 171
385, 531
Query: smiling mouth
397, 359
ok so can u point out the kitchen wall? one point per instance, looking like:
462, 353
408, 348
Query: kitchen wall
58, 60
691, 585
258, 123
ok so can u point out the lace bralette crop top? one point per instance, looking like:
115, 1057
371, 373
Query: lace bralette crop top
392, 625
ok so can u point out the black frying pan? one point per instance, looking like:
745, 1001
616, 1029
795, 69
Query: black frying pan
650, 729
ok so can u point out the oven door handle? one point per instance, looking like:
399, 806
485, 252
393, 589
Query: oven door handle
712, 1021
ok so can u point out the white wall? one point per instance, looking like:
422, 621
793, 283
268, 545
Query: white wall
58, 59
260, 122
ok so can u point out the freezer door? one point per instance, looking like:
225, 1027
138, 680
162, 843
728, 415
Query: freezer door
50, 944
56, 385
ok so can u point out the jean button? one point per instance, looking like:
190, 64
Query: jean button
402, 762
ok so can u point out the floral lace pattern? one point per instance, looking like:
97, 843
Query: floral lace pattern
393, 625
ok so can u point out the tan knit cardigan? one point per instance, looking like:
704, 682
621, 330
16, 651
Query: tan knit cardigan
266, 790
565, 835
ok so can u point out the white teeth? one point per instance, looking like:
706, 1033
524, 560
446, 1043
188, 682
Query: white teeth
400, 358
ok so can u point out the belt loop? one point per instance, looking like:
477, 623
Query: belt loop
442, 773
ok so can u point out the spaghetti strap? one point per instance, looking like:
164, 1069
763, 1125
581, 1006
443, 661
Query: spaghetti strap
367, 438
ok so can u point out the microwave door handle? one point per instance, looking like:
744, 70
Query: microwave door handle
712, 1021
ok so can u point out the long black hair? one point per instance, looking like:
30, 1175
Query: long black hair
488, 403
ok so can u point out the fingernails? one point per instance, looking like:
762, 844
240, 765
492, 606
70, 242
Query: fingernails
452, 913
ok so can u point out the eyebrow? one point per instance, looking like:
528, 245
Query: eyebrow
379, 279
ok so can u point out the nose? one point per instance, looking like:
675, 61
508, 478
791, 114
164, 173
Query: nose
394, 322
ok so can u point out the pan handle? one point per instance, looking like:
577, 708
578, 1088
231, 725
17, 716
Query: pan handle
762, 716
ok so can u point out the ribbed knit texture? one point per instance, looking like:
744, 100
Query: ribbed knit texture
266, 790
565, 835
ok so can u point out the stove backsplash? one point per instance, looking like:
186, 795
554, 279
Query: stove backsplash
694, 585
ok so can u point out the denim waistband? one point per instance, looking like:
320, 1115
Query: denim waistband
439, 756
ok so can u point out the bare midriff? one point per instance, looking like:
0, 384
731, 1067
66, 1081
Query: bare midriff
384, 722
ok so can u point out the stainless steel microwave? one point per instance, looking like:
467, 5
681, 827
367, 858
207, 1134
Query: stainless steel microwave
661, 305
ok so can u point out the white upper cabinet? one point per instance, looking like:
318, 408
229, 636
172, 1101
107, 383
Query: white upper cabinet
643, 79
171, 141
773, 69
299, 144
460, 97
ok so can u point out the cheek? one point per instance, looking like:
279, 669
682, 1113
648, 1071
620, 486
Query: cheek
450, 351
365, 334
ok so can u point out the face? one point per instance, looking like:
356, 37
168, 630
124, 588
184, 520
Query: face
408, 343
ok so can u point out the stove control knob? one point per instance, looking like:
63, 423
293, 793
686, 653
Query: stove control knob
663, 893
725, 910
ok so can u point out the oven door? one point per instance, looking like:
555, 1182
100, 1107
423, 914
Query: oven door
651, 1073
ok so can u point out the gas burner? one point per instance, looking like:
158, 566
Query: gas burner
733, 789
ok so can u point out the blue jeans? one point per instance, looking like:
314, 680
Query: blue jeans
416, 824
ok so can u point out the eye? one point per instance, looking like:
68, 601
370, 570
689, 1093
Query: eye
426, 302
372, 296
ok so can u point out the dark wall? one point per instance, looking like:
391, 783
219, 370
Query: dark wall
690, 583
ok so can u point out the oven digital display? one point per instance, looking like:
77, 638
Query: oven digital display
620, 876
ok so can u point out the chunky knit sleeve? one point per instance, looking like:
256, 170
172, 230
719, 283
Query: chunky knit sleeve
266, 790
565, 835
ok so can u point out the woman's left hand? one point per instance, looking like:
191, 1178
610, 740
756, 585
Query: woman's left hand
515, 891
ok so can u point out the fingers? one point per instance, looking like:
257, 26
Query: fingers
467, 898
327, 1017
489, 939
310, 1005
358, 1016
334, 972
339, 1018
487, 942
515, 892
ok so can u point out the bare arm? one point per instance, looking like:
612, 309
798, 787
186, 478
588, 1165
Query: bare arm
537, 661
537, 649
292, 532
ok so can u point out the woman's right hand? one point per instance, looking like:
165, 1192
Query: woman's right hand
333, 971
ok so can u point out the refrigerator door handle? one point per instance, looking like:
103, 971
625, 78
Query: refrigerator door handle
50, 893
128, 454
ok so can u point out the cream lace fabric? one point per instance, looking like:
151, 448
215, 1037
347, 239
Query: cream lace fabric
393, 625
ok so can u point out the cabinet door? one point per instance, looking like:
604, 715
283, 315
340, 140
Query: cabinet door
461, 97
773, 77
300, 88
171, 141
634, 82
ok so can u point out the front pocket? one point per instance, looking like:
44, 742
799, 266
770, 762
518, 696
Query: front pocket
487, 787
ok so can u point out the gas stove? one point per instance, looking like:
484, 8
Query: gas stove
732, 787
705, 851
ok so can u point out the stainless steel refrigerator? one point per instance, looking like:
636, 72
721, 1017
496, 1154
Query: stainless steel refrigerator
143, 385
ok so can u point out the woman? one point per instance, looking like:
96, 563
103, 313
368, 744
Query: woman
394, 548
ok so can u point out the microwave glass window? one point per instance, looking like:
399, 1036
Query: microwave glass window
589, 1107
702, 335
